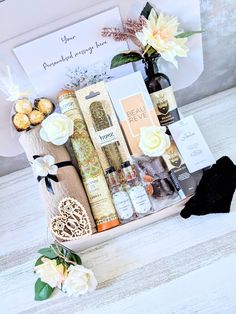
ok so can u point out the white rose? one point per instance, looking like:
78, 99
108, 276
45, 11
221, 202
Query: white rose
153, 140
56, 129
50, 273
80, 280
42, 166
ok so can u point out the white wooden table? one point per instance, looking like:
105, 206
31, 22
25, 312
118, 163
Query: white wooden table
171, 266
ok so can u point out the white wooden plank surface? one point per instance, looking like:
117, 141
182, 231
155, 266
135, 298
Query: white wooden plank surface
171, 266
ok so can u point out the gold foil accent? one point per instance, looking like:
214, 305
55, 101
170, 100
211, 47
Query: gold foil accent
23, 105
21, 121
172, 157
36, 117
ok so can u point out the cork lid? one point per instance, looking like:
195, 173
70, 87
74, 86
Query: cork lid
64, 93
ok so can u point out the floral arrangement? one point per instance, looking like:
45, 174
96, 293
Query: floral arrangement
84, 76
59, 268
155, 34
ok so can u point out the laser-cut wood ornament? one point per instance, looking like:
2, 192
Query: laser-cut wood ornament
72, 222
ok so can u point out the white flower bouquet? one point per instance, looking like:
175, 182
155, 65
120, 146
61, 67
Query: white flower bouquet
154, 33
58, 268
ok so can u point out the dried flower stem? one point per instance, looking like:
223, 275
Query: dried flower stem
131, 27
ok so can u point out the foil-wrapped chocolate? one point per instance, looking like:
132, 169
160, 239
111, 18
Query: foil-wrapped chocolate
23, 105
28, 116
36, 117
44, 105
21, 121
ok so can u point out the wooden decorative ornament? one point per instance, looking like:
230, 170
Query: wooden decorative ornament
72, 222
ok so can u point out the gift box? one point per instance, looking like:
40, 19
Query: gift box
125, 161
71, 199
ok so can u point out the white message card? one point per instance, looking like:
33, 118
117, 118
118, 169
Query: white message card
191, 144
76, 52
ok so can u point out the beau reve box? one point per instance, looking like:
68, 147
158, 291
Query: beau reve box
133, 107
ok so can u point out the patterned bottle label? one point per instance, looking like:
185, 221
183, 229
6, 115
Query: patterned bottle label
165, 106
90, 168
140, 199
123, 205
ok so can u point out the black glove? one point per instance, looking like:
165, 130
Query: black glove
215, 190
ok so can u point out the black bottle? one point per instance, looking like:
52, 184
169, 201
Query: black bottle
161, 93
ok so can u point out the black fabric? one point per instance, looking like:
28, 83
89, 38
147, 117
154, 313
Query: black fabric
215, 190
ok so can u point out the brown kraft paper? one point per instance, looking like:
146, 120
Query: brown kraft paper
69, 184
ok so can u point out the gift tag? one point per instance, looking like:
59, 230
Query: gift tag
191, 144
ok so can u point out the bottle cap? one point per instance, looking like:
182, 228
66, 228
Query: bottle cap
65, 93
125, 164
128, 171
110, 170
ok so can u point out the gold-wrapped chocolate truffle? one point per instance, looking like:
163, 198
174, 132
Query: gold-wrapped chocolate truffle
36, 117
44, 105
23, 105
21, 121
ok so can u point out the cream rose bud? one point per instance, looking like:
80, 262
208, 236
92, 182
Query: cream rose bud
80, 280
51, 273
42, 166
154, 141
56, 129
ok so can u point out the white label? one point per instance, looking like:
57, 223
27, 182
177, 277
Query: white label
68, 104
107, 136
140, 199
123, 205
191, 144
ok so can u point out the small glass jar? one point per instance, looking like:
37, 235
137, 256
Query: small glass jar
120, 197
137, 193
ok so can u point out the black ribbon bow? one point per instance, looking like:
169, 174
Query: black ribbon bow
52, 177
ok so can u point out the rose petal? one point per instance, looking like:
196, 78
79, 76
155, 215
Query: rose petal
60, 141
43, 135
53, 170
39, 167
153, 141
49, 159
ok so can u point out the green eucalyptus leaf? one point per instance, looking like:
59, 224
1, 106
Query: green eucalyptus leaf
146, 10
39, 261
124, 58
42, 290
188, 34
74, 258
48, 252
77, 259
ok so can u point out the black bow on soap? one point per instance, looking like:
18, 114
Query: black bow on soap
51, 177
